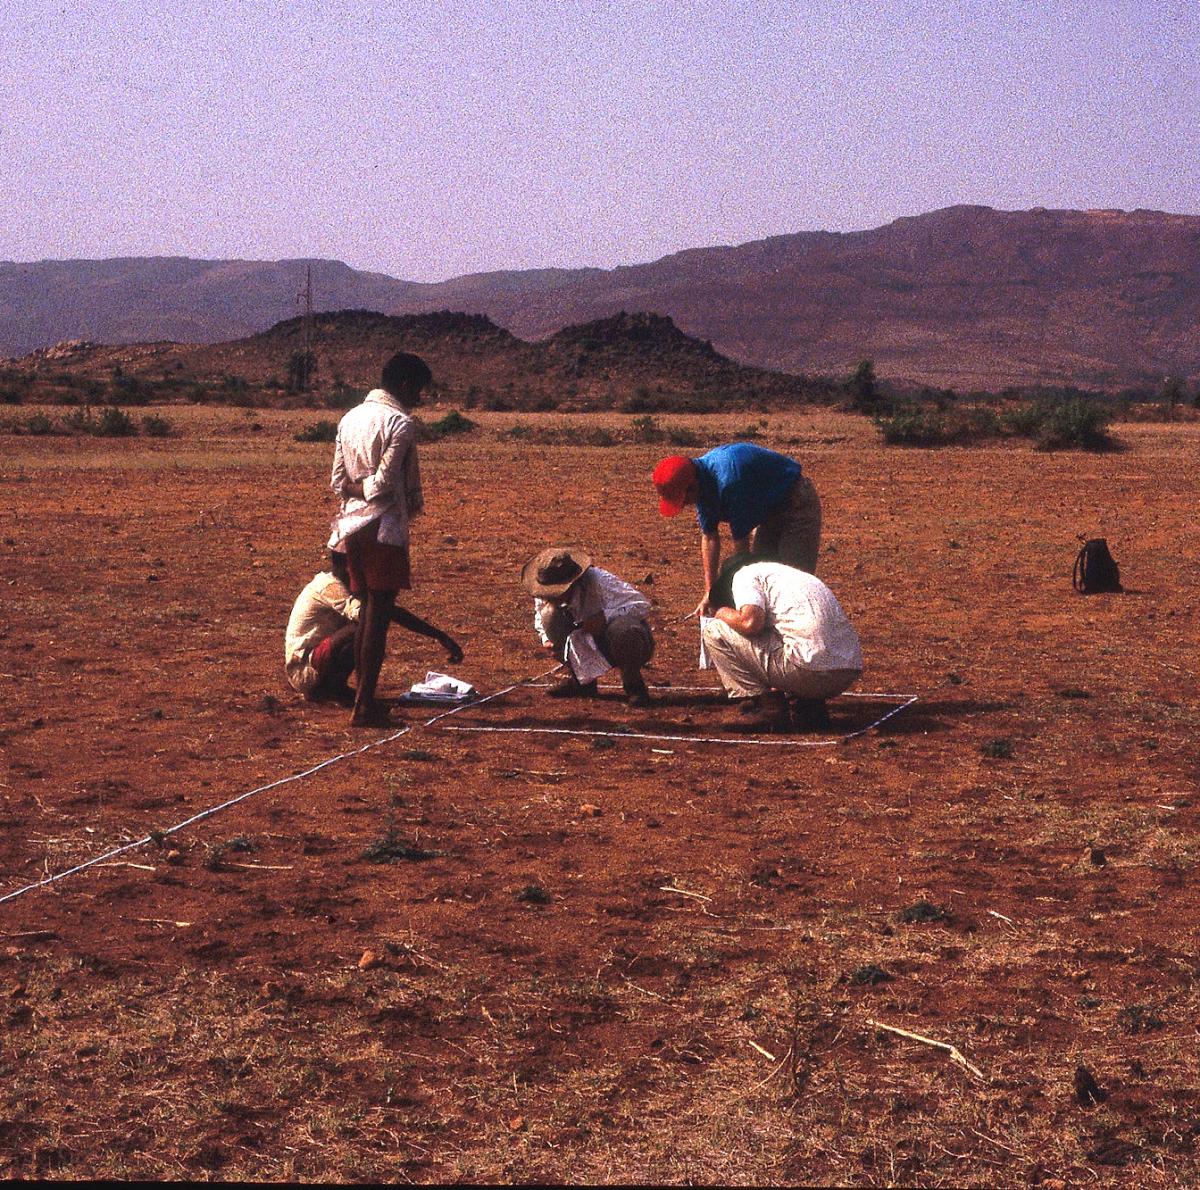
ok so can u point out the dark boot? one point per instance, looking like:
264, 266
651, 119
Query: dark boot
636, 694
771, 717
571, 687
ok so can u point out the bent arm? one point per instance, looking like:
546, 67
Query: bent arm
749, 619
405, 619
339, 478
389, 476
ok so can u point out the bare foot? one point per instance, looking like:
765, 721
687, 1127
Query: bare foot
371, 714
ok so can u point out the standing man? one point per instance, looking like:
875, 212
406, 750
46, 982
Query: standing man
377, 479
757, 491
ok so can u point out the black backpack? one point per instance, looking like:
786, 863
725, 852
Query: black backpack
1095, 569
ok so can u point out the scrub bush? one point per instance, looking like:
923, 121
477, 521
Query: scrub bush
319, 431
115, 423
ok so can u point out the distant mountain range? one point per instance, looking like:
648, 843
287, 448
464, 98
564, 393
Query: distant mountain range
967, 297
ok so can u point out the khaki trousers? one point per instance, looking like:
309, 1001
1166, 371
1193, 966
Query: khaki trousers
626, 641
792, 533
749, 666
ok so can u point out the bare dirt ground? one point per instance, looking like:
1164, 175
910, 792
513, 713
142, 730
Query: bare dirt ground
681, 987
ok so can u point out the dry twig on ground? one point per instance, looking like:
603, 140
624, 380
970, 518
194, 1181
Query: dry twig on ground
952, 1051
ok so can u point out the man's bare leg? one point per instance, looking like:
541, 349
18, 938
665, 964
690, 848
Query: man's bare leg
371, 645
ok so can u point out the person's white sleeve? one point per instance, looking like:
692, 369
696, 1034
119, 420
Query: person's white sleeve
339, 478
747, 592
538, 605
414, 497
389, 476
615, 597
638, 608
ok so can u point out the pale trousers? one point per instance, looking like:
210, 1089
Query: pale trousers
626, 641
749, 666
792, 533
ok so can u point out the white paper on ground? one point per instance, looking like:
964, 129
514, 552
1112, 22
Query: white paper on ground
438, 685
704, 661
584, 657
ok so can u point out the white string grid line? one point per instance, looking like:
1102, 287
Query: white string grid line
689, 739
241, 797
432, 723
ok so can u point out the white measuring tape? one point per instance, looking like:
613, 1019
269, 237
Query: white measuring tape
241, 797
909, 699
433, 722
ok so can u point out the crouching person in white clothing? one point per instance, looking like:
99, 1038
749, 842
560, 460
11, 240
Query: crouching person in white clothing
592, 620
778, 635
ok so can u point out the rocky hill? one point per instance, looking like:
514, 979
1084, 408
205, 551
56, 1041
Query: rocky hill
968, 297
641, 362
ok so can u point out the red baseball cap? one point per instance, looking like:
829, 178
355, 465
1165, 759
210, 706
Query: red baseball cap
673, 477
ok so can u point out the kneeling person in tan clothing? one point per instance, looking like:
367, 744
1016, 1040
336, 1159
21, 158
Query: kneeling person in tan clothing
780, 632
320, 641
569, 595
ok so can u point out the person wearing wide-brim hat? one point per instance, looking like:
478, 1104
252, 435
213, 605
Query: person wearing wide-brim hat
574, 601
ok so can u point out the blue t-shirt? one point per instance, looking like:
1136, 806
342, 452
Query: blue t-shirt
743, 484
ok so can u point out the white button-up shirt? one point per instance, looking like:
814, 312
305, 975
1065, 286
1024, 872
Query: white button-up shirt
803, 611
377, 445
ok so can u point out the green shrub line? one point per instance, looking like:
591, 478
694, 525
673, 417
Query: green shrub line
112, 422
1053, 423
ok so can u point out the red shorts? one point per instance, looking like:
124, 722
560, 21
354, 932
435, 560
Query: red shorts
322, 657
375, 566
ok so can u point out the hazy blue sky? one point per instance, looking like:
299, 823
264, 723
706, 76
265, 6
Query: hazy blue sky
430, 139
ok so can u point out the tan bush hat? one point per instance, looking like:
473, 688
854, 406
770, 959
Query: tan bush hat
553, 572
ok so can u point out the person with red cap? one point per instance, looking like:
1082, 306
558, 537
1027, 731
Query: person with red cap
771, 507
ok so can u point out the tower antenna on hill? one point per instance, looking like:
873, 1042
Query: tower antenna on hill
304, 362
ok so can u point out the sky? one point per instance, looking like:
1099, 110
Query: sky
426, 140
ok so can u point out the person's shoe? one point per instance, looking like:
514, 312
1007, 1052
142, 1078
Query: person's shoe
636, 694
771, 717
810, 714
572, 688
748, 706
